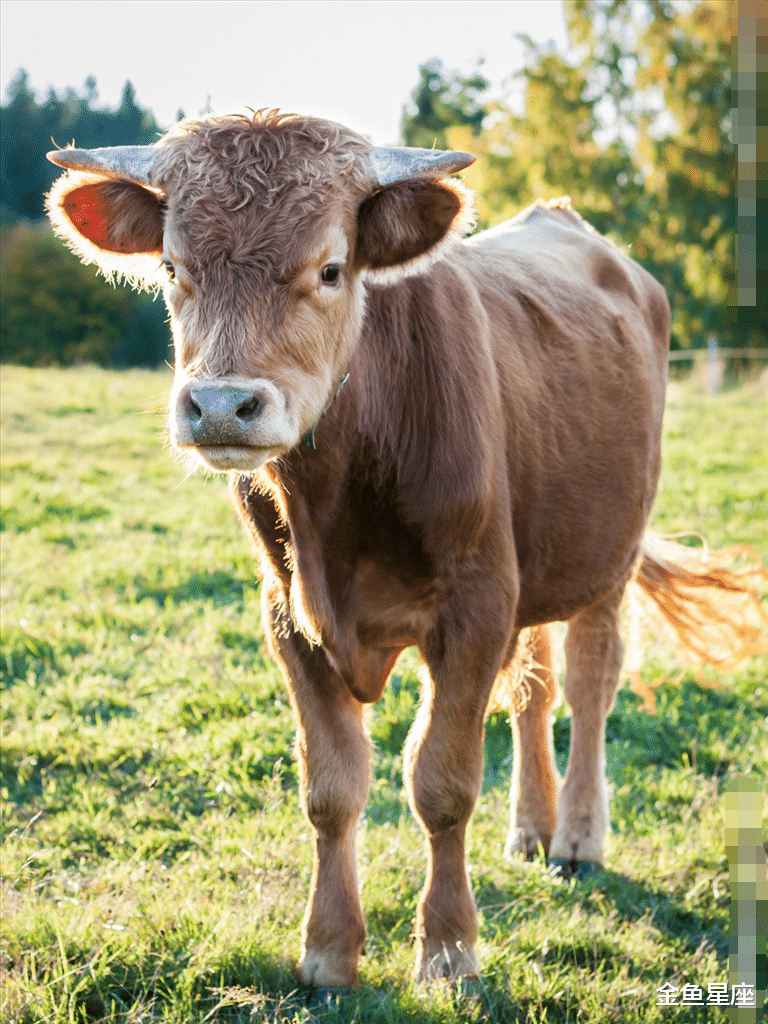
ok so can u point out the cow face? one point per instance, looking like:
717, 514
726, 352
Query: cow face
262, 333
264, 234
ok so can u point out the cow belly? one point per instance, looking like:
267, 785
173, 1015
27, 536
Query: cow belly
560, 579
391, 609
559, 599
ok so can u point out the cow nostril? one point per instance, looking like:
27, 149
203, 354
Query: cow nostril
249, 411
192, 410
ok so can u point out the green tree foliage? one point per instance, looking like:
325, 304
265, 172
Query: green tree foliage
634, 123
54, 311
442, 100
27, 128
668, 68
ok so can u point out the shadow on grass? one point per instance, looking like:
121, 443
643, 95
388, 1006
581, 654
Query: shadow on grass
248, 985
164, 984
603, 892
26, 651
171, 975
217, 586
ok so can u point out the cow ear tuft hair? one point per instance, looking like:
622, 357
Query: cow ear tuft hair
403, 228
114, 223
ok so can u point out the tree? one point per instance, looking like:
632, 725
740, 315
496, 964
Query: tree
54, 311
440, 102
668, 67
690, 160
27, 127
22, 178
634, 123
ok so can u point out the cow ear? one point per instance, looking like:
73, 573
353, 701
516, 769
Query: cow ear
114, 223
406, 226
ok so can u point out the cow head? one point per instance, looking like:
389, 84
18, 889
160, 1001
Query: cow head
263, 233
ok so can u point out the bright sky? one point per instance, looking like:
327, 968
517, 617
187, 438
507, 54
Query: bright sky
355, 62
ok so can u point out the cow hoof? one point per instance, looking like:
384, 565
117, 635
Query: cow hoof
322, 969
525, 843
571, 868
583, 843
454, 962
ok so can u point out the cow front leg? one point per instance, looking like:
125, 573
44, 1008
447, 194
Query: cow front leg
594, 652
444, 773
334, 775
334, 769
444, 769
533, 793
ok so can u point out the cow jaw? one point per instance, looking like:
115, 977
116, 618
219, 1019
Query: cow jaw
226, 458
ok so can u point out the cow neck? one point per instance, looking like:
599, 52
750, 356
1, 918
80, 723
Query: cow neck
309, 437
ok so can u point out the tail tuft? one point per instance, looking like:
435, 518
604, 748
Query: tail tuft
531, 666
712, 611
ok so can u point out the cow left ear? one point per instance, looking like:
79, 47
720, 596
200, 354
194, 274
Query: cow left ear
108, 211
404, 227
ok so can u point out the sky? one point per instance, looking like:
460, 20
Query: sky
355, 62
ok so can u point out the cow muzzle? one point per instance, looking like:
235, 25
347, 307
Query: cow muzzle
231, 424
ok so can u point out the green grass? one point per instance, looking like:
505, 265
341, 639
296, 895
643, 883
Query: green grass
155, 861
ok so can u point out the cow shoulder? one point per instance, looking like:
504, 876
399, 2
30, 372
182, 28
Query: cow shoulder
431, 402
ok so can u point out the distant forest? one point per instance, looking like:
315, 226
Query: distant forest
54, 310
634, 122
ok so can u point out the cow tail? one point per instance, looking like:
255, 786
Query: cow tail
709, 605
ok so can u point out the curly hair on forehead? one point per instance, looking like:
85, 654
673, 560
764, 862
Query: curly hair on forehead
250, 190
241, 160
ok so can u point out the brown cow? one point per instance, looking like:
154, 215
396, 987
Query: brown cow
432, 442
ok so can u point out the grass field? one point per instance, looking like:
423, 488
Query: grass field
155, 860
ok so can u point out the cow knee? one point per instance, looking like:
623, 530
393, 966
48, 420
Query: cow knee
333, 810
334, 795
442, 796
441, 805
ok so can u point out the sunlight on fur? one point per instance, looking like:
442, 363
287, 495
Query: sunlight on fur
708, 607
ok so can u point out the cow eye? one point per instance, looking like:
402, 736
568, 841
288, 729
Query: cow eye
330, 274
169, 269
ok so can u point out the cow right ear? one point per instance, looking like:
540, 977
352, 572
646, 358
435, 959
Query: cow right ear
112, 222
403, 228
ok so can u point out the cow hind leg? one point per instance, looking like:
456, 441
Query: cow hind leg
533, 793
594, 651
